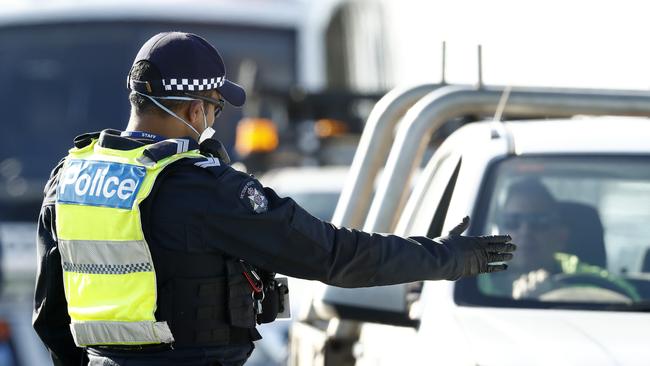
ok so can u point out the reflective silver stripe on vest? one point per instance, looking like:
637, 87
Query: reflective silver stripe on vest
105, 257
95, 333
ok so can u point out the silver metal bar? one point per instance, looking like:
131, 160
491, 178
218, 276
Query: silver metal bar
372, 151
428, 114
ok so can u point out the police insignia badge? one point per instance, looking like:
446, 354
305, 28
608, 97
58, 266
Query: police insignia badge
252, 196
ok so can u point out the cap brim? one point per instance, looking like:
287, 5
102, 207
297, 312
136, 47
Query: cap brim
232, 93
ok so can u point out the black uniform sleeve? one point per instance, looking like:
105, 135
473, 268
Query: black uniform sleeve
245, 220
50, 318
295, 243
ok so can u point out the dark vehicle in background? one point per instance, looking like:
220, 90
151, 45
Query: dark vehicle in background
64, 73
63, 69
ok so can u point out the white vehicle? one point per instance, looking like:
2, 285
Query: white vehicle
597, 168
578, 289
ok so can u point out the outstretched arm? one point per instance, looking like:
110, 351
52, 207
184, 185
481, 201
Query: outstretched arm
245, 220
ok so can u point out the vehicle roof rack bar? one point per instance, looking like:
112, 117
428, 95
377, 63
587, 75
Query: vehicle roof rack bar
372, 152
439, 106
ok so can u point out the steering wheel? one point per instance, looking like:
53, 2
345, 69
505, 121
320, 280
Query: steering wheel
581, 287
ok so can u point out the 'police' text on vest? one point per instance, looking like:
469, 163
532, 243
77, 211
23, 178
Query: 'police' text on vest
99, 183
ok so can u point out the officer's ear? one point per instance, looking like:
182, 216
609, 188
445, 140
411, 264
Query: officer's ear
195, 113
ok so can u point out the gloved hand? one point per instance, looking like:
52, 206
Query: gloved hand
474, 254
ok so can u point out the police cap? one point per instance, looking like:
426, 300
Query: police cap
186, 62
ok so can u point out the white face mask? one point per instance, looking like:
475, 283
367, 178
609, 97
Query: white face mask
153, 99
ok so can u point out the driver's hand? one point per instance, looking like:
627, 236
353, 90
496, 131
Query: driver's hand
526, 284
473, 254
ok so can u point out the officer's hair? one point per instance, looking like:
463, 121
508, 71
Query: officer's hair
532, 189
144, 70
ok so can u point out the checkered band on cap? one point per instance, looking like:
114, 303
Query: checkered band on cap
193, 84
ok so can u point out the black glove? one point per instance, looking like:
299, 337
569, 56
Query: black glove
474, 253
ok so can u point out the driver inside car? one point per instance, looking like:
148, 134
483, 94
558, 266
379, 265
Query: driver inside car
544, 268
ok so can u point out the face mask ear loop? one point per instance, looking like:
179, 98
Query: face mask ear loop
205, 118
172, 113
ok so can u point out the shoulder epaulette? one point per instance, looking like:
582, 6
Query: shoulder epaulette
84, 140
169, 147
207, 162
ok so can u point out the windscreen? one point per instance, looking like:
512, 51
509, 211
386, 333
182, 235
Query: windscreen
581, 226
61, 80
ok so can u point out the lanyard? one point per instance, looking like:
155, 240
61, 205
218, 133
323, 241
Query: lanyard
143, 135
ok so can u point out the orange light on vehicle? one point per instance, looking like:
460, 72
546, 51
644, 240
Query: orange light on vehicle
256, 135
330, 127
5, 331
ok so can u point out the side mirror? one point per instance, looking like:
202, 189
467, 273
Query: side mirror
383, 304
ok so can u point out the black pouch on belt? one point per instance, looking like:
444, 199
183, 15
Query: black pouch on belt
270, 304
240, 297
273, 303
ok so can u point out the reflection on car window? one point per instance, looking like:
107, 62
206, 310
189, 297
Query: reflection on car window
580, 225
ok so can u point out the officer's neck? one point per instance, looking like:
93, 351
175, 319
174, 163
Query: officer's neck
162, 126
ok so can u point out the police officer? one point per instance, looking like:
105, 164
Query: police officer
153, 251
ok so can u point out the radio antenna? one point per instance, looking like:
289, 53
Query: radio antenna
480, 67
444, 63
498, 115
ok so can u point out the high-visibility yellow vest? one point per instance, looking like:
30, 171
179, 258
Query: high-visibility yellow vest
108, 273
